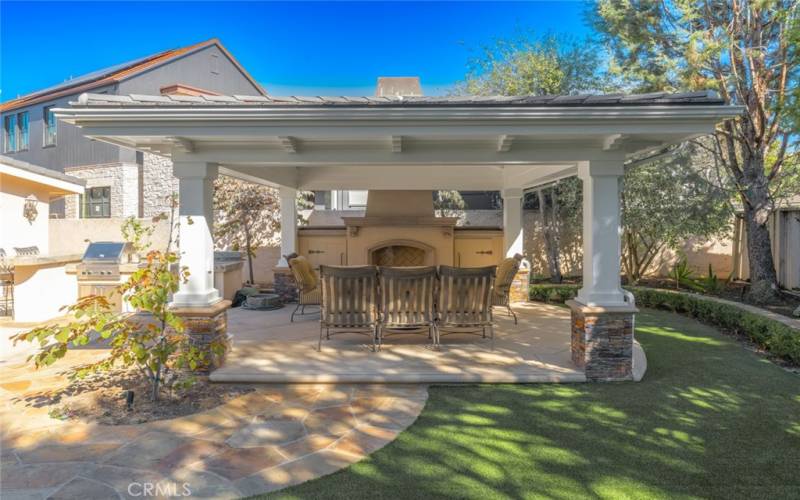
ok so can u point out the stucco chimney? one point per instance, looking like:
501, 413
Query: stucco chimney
398, 86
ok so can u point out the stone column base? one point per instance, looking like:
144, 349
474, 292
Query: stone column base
284, 284
602, 341
204, 326
519, 291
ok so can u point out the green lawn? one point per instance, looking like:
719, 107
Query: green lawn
710, 419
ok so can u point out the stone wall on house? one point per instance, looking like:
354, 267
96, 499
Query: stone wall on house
158, 184
122, 178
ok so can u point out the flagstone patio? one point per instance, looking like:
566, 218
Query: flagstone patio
274, 437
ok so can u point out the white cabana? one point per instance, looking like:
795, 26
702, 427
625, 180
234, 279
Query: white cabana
422, 143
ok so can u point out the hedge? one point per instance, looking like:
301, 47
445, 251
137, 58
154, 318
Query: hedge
780, 339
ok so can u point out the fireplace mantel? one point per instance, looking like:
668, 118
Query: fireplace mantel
354, 223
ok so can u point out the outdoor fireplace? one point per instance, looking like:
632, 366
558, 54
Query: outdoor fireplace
402, 254
399, 229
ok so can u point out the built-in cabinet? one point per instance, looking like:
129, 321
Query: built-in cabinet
323, 246
471, 248
477, 249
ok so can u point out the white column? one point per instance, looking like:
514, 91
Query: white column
288, 197
601, 233
512, 221
196, 181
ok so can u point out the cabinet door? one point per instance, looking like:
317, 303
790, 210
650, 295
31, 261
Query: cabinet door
476, 252
324, 250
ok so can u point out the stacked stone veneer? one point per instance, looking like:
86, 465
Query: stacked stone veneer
205, 326
158, 184
519, 286
121, 178
136, 190
284, 284
602, 341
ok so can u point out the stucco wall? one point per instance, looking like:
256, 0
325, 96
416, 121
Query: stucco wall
68, 236
699, 252
534, 248
15, 229
41, 291
265, 260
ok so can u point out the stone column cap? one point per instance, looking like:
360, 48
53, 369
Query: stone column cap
583, 308
203, 311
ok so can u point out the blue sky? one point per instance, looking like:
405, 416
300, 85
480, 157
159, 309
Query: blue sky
290, 48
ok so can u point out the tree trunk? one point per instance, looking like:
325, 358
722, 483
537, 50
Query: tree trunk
551, 240
249, 251
757, 209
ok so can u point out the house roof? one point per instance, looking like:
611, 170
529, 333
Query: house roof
582, 100
23, 170
119, 73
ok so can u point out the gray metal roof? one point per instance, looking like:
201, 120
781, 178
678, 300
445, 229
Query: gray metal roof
36, 169
652, 99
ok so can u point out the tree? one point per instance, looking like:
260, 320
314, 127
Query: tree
248, 215
449, 202
530, 65
159, 346
663, 203
748, 52
560, 210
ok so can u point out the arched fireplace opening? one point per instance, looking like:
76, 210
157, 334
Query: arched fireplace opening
402, 254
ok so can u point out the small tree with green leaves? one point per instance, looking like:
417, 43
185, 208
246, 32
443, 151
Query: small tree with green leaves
664, 202
247, 215
156, 344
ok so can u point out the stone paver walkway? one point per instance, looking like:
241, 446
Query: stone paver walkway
274, 437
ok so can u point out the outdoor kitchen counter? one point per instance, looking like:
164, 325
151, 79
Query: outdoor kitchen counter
128, 268
42, 260
43, 285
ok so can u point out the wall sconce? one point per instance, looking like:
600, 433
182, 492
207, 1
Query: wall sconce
29, 210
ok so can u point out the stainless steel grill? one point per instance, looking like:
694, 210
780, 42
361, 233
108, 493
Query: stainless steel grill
102, 259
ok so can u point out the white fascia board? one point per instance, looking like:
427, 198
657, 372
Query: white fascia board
57, 184
450, 115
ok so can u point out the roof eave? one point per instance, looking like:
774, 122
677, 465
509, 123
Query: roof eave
106, 113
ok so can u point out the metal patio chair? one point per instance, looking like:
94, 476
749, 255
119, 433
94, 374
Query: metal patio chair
406, 301
464, 301
349, 301
501, 296
307, 283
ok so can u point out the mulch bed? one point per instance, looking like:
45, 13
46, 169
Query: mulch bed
101, 398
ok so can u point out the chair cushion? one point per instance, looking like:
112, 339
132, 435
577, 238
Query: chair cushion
304, 274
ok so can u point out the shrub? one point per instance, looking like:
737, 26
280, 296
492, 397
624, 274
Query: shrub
780, 339
159, 347
553, 293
